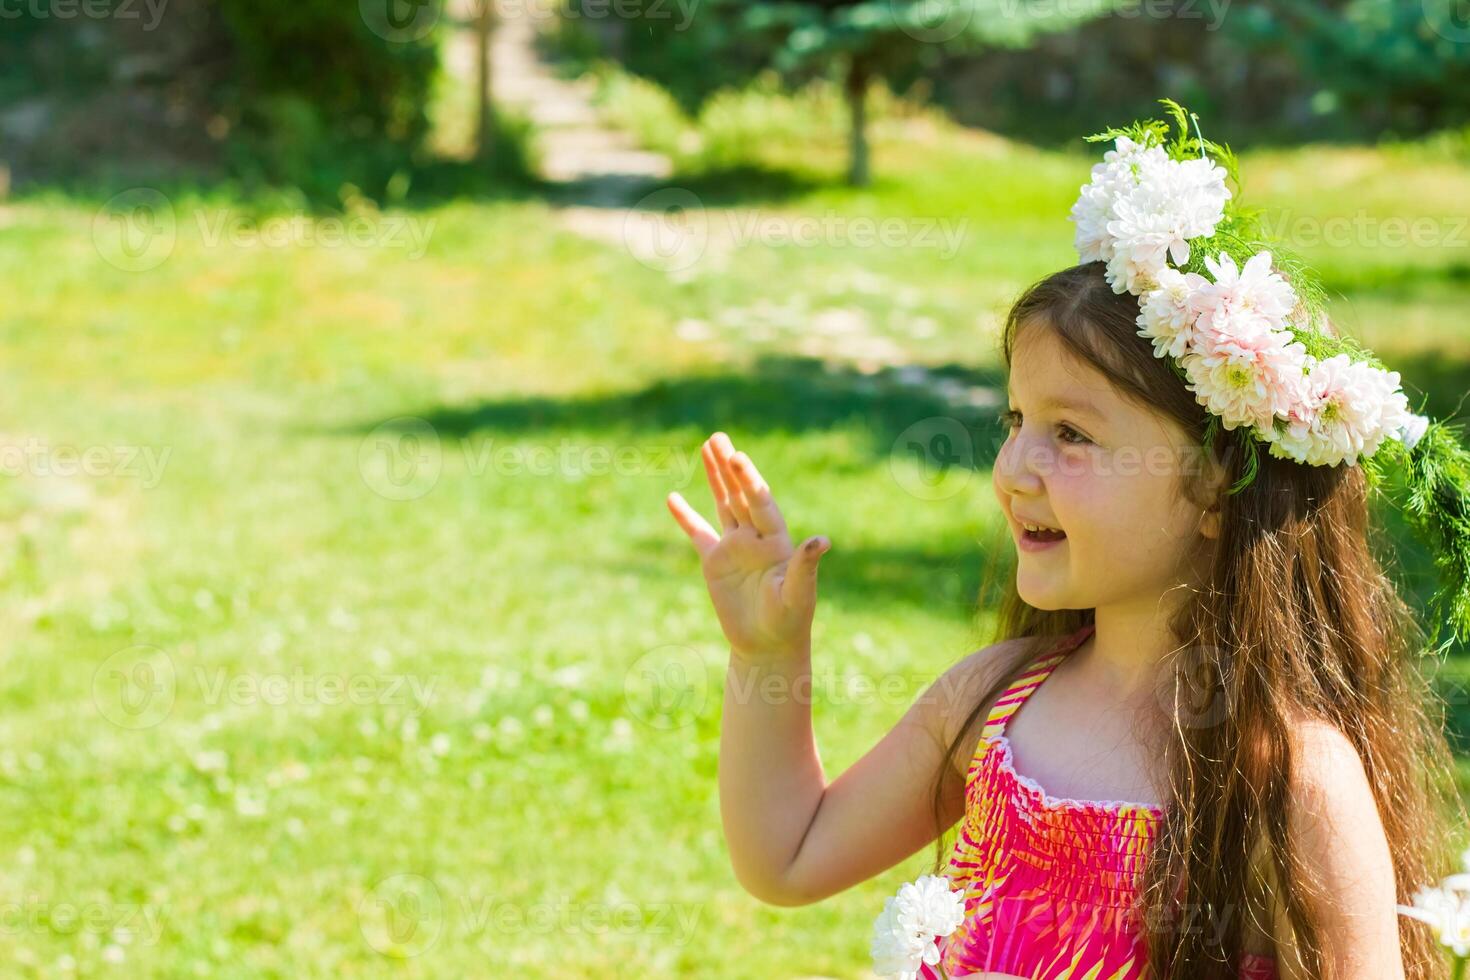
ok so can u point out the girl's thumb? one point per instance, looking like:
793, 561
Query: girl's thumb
799, 588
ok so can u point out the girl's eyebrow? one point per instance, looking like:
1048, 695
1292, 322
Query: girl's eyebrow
1075, 404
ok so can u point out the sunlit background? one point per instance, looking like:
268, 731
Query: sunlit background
350, 350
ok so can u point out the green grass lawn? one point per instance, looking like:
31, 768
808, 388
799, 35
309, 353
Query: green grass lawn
336, 647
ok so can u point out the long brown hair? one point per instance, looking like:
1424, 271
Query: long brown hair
1296, 619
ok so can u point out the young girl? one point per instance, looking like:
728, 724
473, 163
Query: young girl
1200, 746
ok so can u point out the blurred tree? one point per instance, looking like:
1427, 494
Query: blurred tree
870, 39
859, 40
485, 108
1407, 63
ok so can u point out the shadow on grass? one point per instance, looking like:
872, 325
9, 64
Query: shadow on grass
908, 416
937, 408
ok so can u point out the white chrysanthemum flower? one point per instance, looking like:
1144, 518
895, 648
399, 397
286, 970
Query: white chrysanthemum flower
1243, 371
1445, 910
1354, 407
1094, 206
1255, 288
897, 953
1168, 312
904, 933
1172, 202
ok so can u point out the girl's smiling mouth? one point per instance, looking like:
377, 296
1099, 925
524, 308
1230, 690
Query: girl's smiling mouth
1038, 537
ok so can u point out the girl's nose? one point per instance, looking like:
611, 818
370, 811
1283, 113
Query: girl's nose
1019, 467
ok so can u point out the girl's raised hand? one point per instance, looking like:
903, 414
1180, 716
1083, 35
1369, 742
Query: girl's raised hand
764, 591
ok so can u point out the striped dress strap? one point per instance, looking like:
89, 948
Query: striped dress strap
1015, 695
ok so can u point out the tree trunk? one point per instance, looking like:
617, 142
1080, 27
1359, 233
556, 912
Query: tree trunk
857, 103
485, 120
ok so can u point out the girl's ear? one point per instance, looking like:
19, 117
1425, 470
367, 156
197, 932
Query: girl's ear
1209, 522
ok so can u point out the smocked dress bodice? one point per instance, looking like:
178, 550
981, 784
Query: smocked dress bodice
1050, 884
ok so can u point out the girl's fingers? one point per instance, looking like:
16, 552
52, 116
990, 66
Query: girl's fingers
717, 486
764, 513
700, 533
733, 494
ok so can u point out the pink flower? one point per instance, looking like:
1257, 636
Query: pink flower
1351, 407
1256, 289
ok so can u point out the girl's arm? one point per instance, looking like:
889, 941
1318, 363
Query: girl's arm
1335, 826
793, 837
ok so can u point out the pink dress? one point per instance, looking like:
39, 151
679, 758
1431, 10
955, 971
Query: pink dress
1049, 883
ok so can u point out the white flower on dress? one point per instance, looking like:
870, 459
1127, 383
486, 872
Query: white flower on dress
1446, 908
905, 932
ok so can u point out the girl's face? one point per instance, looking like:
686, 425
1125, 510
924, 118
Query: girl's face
1081, 458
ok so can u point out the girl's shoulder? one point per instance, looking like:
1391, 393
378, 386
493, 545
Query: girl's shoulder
977, 676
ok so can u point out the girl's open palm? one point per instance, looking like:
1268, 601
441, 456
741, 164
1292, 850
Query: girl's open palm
764, 590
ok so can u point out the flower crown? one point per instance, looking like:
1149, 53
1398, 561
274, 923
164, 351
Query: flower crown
1250, 344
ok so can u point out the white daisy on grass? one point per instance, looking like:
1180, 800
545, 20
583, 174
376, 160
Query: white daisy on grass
905, 932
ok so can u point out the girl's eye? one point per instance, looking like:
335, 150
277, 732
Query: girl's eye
1068, 434
1012, 419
